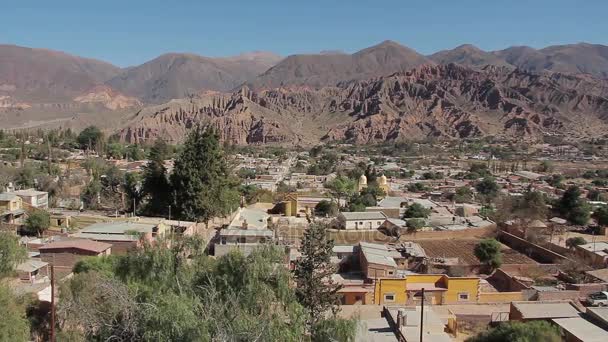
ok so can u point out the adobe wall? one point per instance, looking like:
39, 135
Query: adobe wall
542, 254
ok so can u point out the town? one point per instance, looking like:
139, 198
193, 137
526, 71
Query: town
406, 241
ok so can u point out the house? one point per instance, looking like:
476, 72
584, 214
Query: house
34, 198
578, 329
408, 324
247, 231
377, 261
594, 253
11, 208
32, 270
530, 311
123, 236
65, 253
361, 220
438, 289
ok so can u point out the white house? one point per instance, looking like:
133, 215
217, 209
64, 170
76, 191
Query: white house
362, 220
34, 198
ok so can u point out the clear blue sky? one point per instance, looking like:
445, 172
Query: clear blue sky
129, 32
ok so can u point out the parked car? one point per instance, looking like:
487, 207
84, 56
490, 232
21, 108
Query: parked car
598, 299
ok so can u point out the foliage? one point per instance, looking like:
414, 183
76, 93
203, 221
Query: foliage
463, 195
417, 187
520, 332
13, 325
572, 207
487, 187
417, 210
201, 180
555, 180
155, 188
478, 170
415, 224
178, 293
11, 253
601, 215
432, 175
316, 290
488, 252
115, 151
326, 208
90, 138
325, 165
546, 166
368, 197
90, 194
37, 222
341, 187
135, 152
575, 241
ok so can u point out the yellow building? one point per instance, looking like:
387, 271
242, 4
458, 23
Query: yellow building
11, 208
439, 289
383, 184
290, 204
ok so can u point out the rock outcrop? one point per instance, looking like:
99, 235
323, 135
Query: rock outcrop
444, 101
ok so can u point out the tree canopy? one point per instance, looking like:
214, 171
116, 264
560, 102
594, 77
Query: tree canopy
202, 181
574, 208
37, 222
416, 210
488, 252
11, 253
90, 138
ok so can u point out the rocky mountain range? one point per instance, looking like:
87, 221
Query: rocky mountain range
384, 92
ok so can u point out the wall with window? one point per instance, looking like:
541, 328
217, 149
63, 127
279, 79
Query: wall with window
461, 290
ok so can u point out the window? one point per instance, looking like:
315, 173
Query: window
242, 240
389, 297
223, 241
361, 222
463, 296
358, 298
379, 223
390, 272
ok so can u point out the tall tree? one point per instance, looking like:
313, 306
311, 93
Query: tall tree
315, 289
37, 222
341, 187
156, 188
11, 254
90, 138
574, 208
13, 325
203, 184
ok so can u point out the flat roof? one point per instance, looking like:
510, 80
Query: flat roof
30, 192
118, 227
545, 310
582, 329
246, 232
5, 196
83, 244
599, 313
107, 237
364, 215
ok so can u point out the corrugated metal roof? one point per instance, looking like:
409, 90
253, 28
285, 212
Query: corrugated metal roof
363, 215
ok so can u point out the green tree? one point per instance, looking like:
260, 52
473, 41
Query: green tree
341, 187
488, 252
156, 189
575, 241
414, 225
14, 325
601, 215
417, 187
574, 208
11, 254
115, 151
37, 222
487, 187
416, 210
463, 195
90, 138
520, 332
90, 194
326, 208
201, 179
316, 290
135, 152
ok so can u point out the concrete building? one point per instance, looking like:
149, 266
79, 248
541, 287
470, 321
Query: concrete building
247, 231
578, 329
530, 311
65, 253
11, 208
594, 253
34, 198
123, 236
361, 220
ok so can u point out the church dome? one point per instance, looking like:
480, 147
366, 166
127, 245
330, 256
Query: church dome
383, 180
362, 179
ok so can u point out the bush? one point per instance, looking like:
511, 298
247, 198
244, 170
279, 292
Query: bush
415, 224
416, 210
326, 208
488, 252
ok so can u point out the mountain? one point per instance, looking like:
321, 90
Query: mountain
445, 101
574, 58
468, 55
177, 75
108, 98
324, 69
39, 75
579, 58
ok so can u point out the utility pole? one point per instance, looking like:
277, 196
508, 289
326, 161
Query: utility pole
52, 303
422, 315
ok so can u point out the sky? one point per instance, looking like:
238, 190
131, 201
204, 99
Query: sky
131, 32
